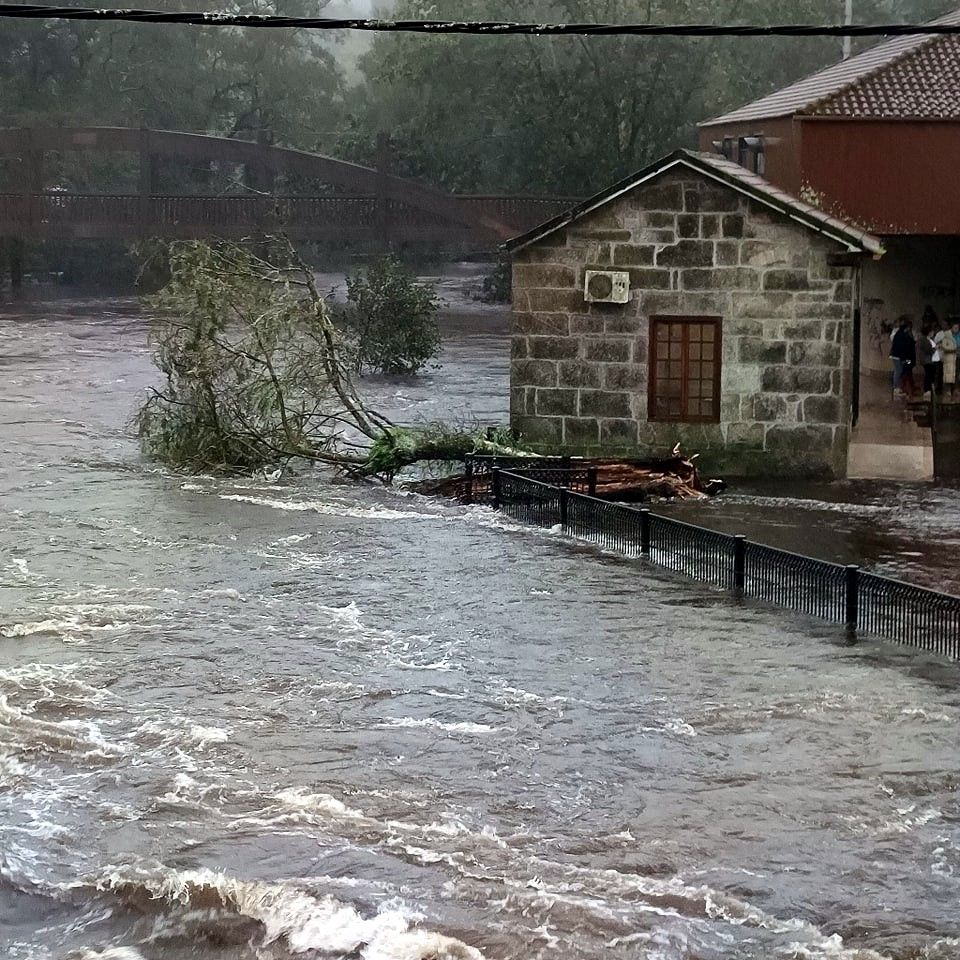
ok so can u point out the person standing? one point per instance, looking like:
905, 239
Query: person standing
947, 340
926, 351
903, 350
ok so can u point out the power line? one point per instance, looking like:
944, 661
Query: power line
489, 28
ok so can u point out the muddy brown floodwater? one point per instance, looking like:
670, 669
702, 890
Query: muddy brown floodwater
243, 720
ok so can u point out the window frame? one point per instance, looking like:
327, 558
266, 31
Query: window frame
687, 321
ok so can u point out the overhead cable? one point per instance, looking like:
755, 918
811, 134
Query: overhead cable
24, 11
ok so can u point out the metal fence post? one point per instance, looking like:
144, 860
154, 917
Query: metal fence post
853, 598
592, 481
564, 497
645, 532
468, 467
495, 485
739, 563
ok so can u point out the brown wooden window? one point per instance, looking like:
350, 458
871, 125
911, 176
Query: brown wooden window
685, 369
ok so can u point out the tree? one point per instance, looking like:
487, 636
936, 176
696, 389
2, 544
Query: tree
570, 115
256, 374
393, 319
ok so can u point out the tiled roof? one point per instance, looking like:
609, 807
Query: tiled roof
908, 77
735, 177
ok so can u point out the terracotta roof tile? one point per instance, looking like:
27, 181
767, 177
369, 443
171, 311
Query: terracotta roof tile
908, 77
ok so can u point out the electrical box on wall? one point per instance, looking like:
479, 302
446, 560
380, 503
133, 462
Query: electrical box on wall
606, 286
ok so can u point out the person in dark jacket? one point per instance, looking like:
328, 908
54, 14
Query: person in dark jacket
928, 357
903, 350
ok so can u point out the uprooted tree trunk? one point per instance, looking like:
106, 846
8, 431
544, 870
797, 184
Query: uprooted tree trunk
257, 374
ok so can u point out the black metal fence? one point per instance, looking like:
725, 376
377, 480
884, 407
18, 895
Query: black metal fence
568, 472
863, 602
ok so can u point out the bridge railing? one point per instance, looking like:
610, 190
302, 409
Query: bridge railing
48, 212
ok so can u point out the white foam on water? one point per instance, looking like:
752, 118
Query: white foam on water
80, 618
331, 509
299, 799
459, 727
304, 922
109, 953
206, 735
675, 725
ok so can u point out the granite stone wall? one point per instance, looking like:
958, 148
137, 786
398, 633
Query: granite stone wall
693, 247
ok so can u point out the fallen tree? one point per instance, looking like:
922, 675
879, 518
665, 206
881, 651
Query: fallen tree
257, 374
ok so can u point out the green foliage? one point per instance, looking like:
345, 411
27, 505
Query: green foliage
249, 378
497, 286
393, 319
401, 447
571, 115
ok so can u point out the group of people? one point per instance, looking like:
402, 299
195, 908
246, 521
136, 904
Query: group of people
933, 351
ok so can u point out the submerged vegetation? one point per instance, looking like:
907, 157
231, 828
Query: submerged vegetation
257, 374
393, 319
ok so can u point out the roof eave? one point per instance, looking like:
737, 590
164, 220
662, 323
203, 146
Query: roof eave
855, 241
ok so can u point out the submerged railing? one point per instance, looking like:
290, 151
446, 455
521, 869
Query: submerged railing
862, 602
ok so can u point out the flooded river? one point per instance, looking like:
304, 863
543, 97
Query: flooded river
243, 720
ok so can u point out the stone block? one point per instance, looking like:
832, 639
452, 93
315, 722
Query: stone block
618, 433
822, 410
624, 376
803, 330
555, 403
592, 323
577, 373
691, 199
633, 255
796, 380
761, 253
686, 253
824, 311
604, 403
688, 226
547, 431
553, 348
646, 278
607, 351
618, 322
709, 226
762, 306
660, 220
555, 301
719, 200
745, 328
754, 350
786, 279
518, 348
732, 226
722, 278
769, 408
661, 196
640, 351
815, 353
799, 440
533, 373
544, 274
727, 253
580, 432
542, 324
746, 434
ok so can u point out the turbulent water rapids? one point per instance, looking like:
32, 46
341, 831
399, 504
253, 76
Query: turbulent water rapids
243, 720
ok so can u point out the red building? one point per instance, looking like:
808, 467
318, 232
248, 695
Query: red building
874, 141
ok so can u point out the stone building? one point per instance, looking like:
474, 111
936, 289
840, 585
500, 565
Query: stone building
735, 337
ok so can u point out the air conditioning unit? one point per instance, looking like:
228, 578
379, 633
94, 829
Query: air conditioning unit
606, 286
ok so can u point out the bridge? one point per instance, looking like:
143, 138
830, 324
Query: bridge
354, 203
